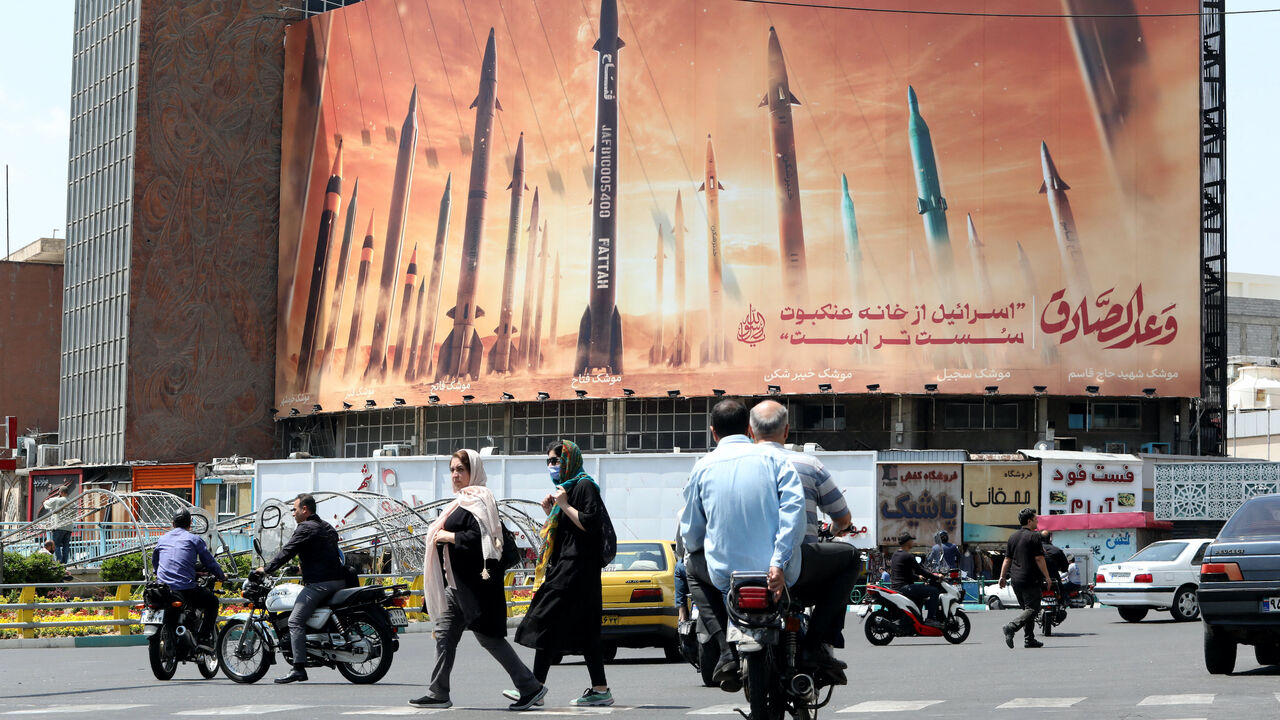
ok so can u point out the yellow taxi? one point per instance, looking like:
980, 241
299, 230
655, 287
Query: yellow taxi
639, 598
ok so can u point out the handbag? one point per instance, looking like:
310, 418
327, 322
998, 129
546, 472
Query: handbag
608, 537
511, 555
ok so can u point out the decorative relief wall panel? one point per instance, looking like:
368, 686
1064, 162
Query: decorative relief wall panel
1210, 491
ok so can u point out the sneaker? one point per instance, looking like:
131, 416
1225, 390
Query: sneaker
592, 698
427, 701
1032, 643
514, 696
1008, 635
524, 702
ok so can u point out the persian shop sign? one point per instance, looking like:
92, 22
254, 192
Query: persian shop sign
993, 495
921, 499
1090, 487
971, 225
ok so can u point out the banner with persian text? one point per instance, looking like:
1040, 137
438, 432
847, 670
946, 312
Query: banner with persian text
994, 493
918, 498
489, 198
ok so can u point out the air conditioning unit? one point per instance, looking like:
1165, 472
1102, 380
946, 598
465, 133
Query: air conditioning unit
395, 450
47, 455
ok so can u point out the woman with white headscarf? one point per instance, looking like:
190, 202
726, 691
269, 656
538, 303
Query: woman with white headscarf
463, 584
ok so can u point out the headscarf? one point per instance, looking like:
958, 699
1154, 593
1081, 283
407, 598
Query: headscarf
570, 467
478, 500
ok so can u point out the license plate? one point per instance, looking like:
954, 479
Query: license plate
610, 619
152, 617
1271, 604
1119, 576
398, 617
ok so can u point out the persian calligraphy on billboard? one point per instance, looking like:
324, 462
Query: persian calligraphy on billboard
922, 499
994, 493
732, 195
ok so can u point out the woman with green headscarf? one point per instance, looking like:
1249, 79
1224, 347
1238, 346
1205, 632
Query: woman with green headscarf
564, 615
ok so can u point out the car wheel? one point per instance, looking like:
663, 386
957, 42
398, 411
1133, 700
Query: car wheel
1219, 652
1186, 606
1132, 614
1267, 654
994, 603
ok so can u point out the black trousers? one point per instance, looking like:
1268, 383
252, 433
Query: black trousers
1029, 598
707, 597
207, 603
828, 572
926, 596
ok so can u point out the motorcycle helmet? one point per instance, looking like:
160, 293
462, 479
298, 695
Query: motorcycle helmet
182, 519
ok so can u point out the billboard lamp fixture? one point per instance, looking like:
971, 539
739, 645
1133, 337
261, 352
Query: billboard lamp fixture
508, 396
274, 412
873, 388
1092, 389
580, 393
931, 388
544, 396
346, 405
315, 408
399, 401
468, 398
628, 392
370, 403
824, 387
673, 393
433, 399
717, 392
1040, 389
992, 389
774, 389
1149, 392
293, 412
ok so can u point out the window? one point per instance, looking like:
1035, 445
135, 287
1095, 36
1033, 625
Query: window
1116, 416
446, 429
369, 431
534, 426
659, 424
228, 501
970, 416
1199, 557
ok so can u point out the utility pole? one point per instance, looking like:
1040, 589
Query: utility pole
6, 212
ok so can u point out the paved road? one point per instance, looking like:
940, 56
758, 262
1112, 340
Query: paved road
1097, 665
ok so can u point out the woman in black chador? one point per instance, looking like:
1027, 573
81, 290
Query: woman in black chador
564, 615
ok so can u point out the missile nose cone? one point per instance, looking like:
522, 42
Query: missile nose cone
337, 161
490, 50
368, 234
844, 183
913, 103
413, 100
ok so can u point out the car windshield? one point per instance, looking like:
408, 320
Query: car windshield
1159, 552
638, 557
1257, 517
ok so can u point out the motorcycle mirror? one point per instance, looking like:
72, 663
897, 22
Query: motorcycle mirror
257, 547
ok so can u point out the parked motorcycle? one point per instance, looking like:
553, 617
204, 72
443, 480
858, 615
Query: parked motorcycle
171, 627
891, 614
355, 631
766, 634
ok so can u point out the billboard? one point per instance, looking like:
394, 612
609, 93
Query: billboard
994, 493
483, 198
920, 498
1089, 482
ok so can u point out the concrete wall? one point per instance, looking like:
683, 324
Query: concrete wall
30, 337
1253, 327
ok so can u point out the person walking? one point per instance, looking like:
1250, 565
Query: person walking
463, 585
564, 615
1025, 567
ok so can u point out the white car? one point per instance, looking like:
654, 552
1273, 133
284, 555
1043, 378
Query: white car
1161, 576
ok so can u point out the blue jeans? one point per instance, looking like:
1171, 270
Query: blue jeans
62, 546
682, 585
311, 597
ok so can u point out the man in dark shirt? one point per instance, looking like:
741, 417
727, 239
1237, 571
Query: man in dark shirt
1054, 557
945, 550
315, 544
1025, 567
903, 571
174, 561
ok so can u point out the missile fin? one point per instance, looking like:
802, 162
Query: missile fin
1043, 189
702, 187
510, 185
476, 356
474, 102
942, 203
479, 312
719, 186
584, 343
449, 314
620, 43
498, 103
922, 207
764, 101
792, 98
1060, 184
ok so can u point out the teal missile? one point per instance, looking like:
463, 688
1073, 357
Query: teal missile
852, 251
929, 200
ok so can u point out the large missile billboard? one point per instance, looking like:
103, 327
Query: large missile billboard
990, 118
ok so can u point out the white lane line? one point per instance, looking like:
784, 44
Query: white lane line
1049, 702
574, 711
73, 709
394, 710
1189, 699
720, 710
244, 710
871, 706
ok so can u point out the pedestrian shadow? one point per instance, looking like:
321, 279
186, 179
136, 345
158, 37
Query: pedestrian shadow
1264, 671
1057, 634
112, 689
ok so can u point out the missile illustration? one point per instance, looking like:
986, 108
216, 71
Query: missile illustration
600, 332
426, 357
555, 302
852, 250
403, 339
715, 349
657, 352
1064, 224
786, 178
339, 291
394, 245
328, 218
503, 349
526, 312
535, 355
1048, 353
411, 367
357, 313
929, 201
461, 352
679, 354
978, 257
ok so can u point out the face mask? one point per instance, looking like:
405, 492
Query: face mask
554, 472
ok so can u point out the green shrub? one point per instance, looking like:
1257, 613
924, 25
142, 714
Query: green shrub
15, 568
43, 568
123, 568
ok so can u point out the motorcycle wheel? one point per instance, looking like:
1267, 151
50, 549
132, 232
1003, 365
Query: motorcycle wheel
380, 652
1046, 623
957, 629
758, 679
707, 659
879, 631
163, 654
250, 666
208, 664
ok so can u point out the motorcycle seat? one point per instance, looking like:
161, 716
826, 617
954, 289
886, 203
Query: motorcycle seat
350, 595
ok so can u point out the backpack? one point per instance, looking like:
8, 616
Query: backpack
608, 538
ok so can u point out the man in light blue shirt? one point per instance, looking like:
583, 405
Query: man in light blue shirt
744, 511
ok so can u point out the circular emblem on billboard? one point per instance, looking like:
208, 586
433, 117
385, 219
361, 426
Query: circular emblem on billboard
388, 477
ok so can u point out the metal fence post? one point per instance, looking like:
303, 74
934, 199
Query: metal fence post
27, 596
123, 593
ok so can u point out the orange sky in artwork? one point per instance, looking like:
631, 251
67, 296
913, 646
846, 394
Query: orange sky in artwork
990, 89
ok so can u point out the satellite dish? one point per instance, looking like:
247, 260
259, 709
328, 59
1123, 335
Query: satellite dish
1044, 445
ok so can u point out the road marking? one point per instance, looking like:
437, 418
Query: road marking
395, 710
720, 710
589, 710
1039, 703
871, 706
1190, 699
73, 709
244, 710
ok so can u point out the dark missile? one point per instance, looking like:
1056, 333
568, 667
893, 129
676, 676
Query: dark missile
657, 351
526, 312
394, 245
679, 353
403, 339
339, 291
600, 332
555, 302
426, 357
786, 176
535, 356
715, 349
328, 218
462, 352
500, 355
357, 312
1064, 224
411, 367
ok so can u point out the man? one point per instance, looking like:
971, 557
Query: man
1025, 567
744, 511
967, 564
1054, 558
945, 550
174, 561
46, 549
903, 571
315, 544
61, 524
830, 570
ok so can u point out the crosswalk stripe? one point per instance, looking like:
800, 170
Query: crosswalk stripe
729, 709
1188, 699
1051, 702
244, 710
394, 710
871, 706
106, 707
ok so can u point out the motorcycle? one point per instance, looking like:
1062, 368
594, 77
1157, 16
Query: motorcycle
171, 626
766, 634
891, 614
355, 631
696, 646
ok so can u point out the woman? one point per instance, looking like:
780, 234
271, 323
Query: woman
564, 615
464, 587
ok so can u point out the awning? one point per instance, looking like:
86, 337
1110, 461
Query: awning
1102, 521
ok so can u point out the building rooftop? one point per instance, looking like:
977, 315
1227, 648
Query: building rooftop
50, 251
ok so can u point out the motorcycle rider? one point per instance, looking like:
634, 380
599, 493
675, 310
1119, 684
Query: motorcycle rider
903, 571
946, 550
315, 543
174, 562
1054, 557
